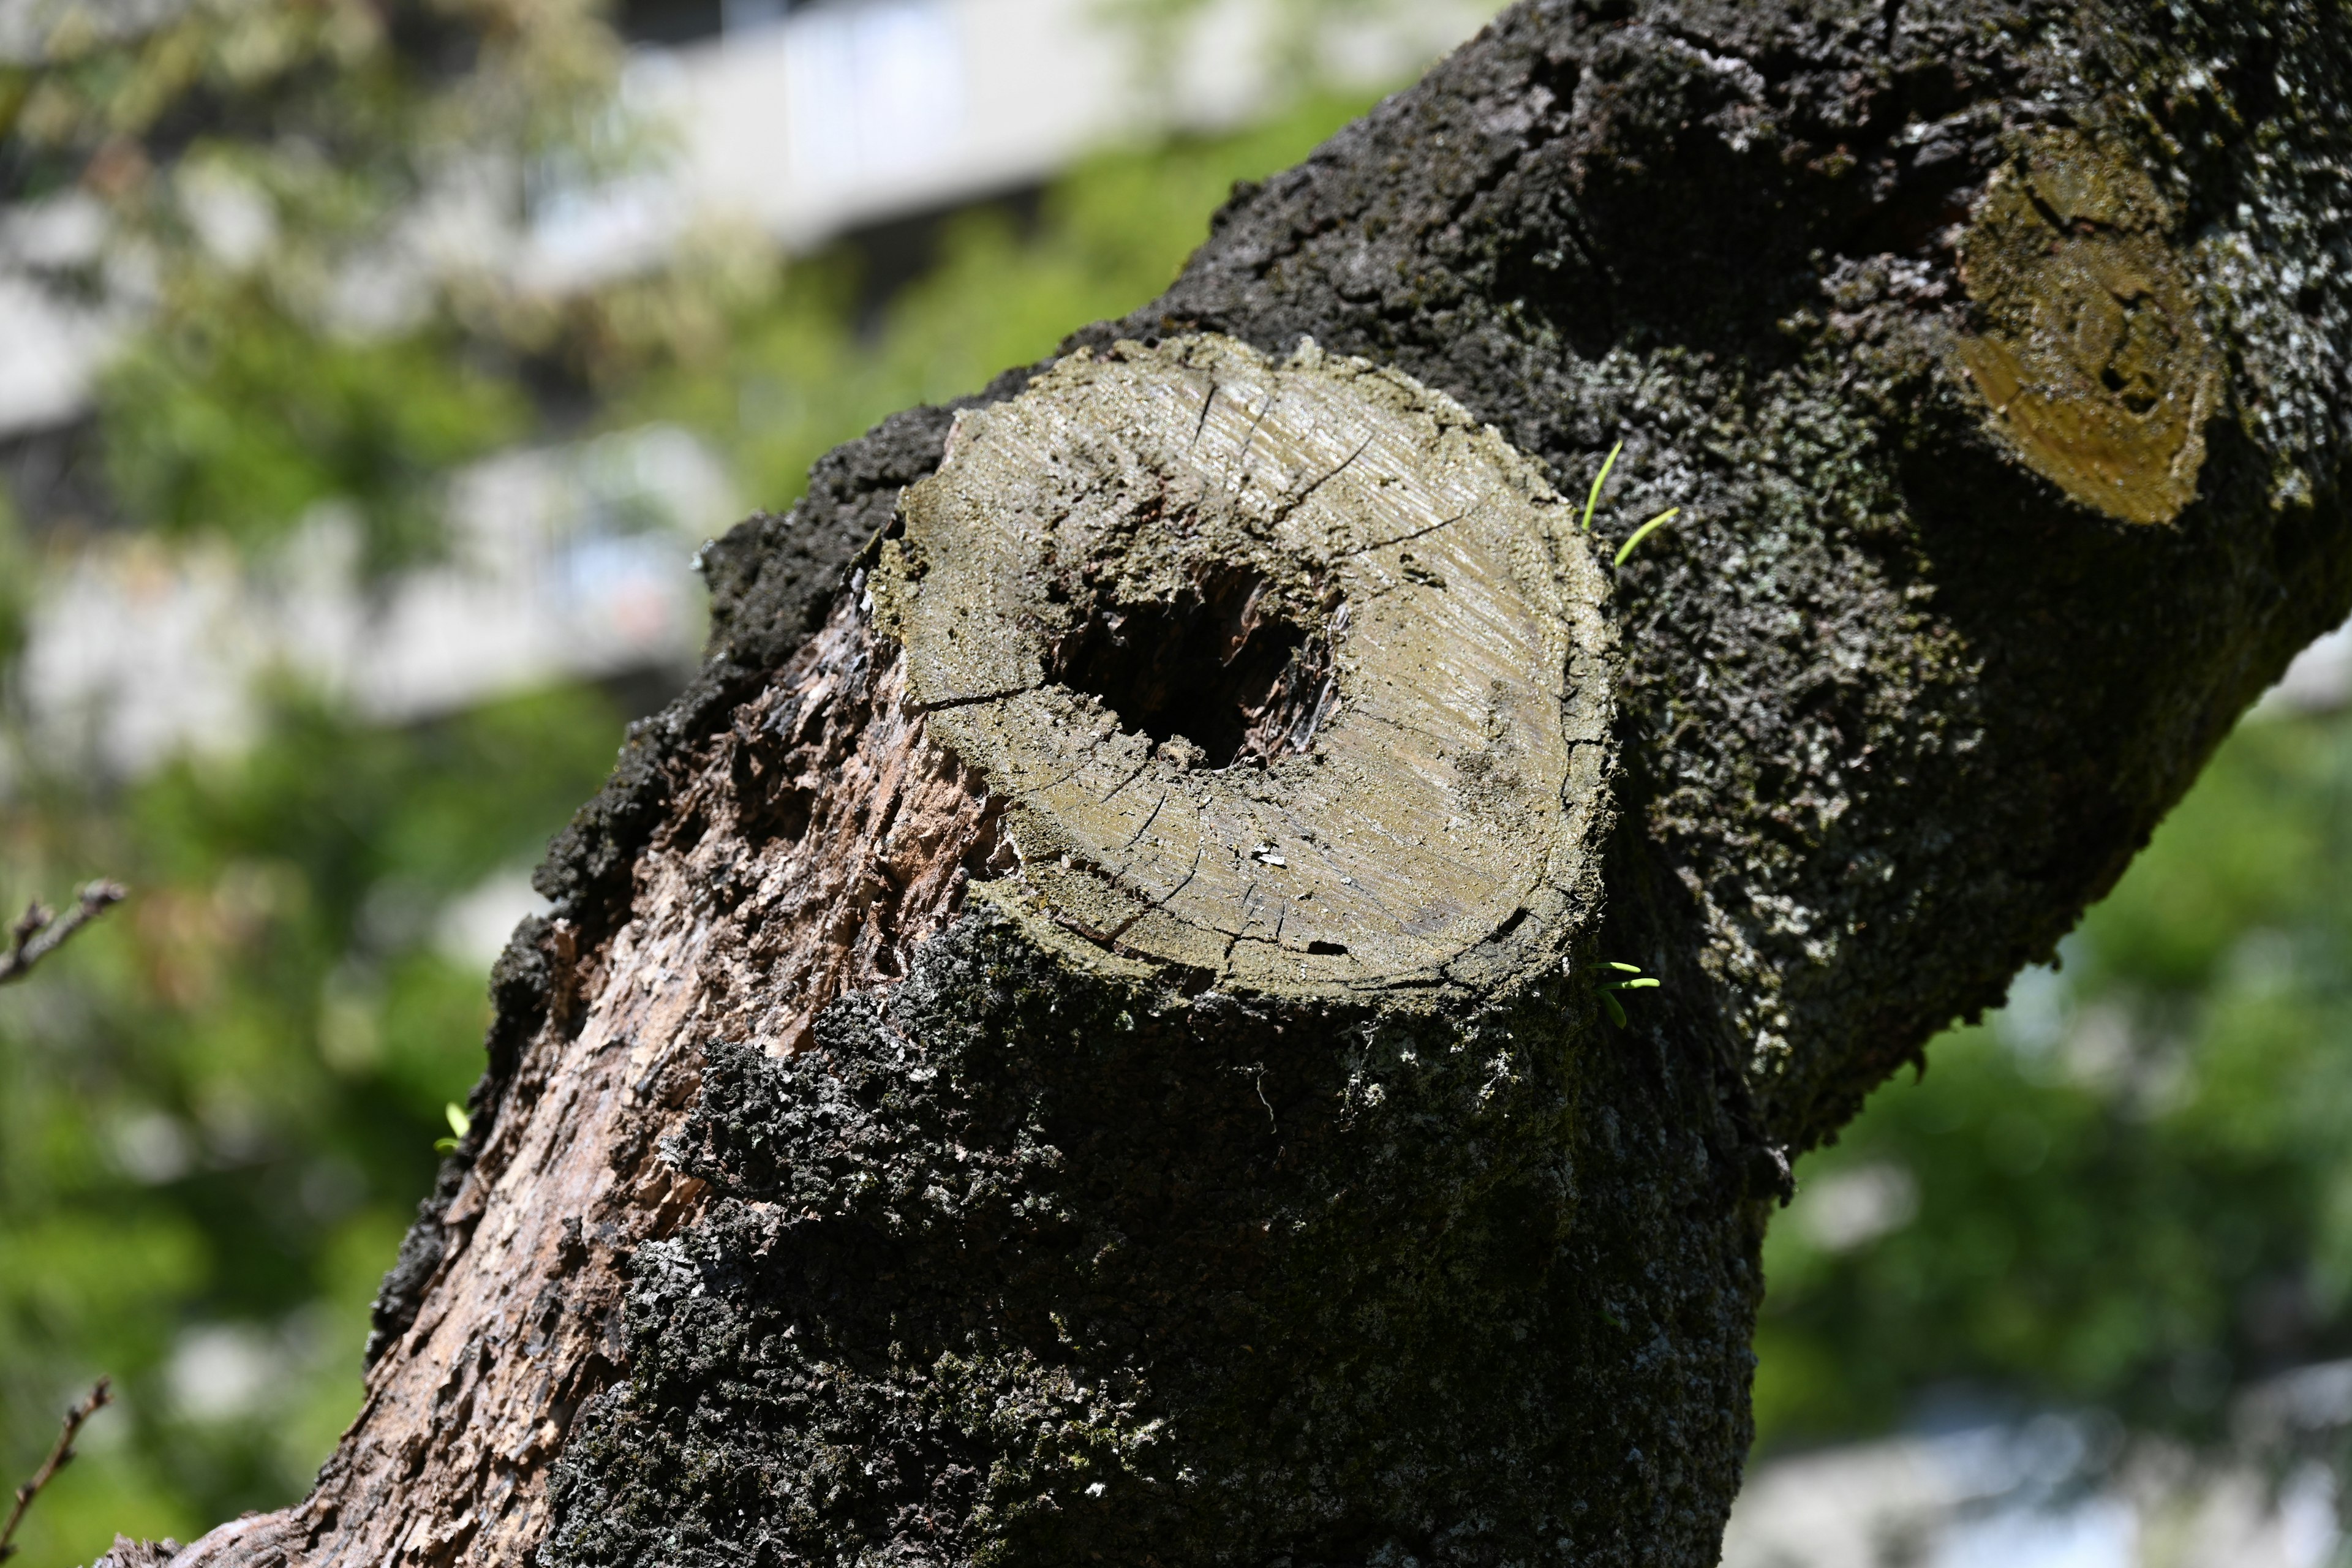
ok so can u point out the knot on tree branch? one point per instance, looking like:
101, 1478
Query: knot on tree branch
1293, 675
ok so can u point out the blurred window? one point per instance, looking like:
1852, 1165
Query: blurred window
669, 21
742, 15
872, 90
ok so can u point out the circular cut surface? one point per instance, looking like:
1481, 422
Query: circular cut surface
2092, 359
1287, 673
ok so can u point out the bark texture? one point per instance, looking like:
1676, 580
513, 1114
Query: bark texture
840, 1192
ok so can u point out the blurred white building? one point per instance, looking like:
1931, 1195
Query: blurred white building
564, 562
818, 118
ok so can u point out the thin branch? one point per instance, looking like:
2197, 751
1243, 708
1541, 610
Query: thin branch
39, 933
101, 1393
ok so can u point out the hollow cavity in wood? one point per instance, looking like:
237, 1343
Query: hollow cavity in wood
1289, 673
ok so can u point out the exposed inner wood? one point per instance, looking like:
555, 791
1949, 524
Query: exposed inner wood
817, 839
1290, 674
2095, 364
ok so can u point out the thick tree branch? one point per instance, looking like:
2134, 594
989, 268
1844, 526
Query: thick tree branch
900, 1144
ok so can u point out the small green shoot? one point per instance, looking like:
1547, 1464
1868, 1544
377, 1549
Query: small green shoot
1631, 978
459, 1125
1593, 500
1645, 532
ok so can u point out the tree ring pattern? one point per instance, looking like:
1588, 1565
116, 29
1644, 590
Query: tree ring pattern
1288, 674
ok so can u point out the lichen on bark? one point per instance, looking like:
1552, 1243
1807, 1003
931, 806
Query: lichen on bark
1026, 1265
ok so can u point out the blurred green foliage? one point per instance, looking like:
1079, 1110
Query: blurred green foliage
17, 572
217, 1106
259, 168
2132, 1188
229, 414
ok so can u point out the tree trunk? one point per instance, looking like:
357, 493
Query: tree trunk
1083, 1036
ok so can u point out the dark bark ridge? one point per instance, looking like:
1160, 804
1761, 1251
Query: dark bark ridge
1897, 702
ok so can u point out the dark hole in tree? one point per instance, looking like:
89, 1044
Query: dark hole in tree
1220, 667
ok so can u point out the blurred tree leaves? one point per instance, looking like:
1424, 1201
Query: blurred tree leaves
227, 416
2132, 1189
266, 176
15, 589
216, 1112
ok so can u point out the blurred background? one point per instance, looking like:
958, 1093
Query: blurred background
370, 371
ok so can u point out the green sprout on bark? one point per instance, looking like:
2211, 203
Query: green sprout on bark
1626, 977
1599, 480
1645, 532
459, 1125
1592, 504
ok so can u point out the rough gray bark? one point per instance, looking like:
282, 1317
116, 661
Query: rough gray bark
1996, 354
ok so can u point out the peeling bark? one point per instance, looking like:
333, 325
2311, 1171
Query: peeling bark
844, 1187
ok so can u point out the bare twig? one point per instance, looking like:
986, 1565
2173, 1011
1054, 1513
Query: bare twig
39, 933
100, 1395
